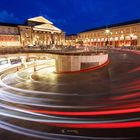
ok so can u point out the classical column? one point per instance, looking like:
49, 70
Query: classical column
138, 42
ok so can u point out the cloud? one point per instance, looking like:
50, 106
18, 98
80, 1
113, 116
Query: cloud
5, 16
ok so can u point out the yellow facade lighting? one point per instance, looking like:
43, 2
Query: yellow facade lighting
107, 31
131, 35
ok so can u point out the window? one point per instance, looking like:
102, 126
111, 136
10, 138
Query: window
134, 29
127, 30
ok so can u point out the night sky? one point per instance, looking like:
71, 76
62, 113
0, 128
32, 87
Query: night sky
71, 16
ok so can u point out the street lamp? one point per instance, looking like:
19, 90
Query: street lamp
107, 32
131, 36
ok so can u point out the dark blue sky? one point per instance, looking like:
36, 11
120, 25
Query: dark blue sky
71, 16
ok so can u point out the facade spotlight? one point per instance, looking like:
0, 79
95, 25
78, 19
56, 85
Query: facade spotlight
131, 35
107, 31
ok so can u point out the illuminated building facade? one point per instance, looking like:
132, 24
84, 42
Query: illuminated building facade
36, 31
118, 35
71, 40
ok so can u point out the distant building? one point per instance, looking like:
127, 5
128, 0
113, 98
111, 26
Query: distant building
71, 40
123, 34
36, 31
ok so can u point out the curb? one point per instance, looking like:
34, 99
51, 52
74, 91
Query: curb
86, 70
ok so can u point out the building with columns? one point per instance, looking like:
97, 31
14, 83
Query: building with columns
119, 35
36, 31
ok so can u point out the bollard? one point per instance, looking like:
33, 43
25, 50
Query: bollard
34, 69
17, 68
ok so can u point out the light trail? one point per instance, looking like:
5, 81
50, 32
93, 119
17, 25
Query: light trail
115, 109
50, 136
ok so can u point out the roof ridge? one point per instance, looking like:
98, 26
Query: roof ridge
113, 25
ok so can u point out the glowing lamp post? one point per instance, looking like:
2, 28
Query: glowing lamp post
131, 36
107, 32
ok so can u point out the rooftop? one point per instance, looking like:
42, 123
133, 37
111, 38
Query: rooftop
40, 19
9, 24
71, 35
113, 25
